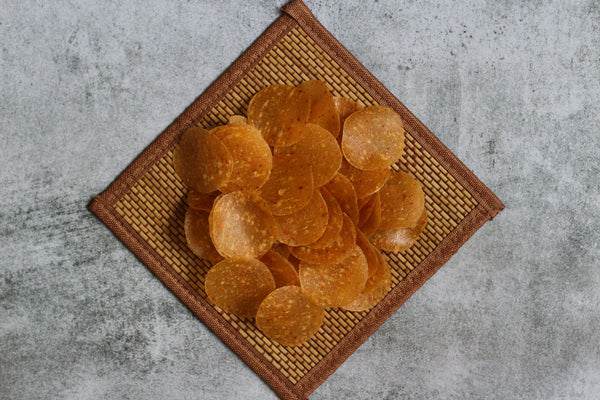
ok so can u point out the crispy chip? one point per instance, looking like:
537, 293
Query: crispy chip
402, 238
289, 317
341, 188
334, 222
335, 285
197, 236
373, 138
290, 185
373, 221
344, 108
322, 107
283, 271
370, 252
252, 158
306, 225
239, 285
335, 252
368, 300
275, 110
237, 119
321, 150
365, 182
402, 202
202, 162
201, 201
241, 226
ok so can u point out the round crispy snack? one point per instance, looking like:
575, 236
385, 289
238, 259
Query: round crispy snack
402, 238
275, 110
372, 223
197, 236
290, 185
200, 201
202, 162
241, 226
335, 285
289, 317
320, 149
238, 285
306, 225
402, 202
334, 222
282, 270
368, 300
335, 252
252, 158
370, 252
341, 188
373, 138
345, 107
365, 182
237, 119
322, 107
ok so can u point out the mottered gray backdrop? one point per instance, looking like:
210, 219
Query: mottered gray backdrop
511, 87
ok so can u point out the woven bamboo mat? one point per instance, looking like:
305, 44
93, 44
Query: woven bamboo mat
145, 206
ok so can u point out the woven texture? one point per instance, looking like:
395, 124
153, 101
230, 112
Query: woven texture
146, 206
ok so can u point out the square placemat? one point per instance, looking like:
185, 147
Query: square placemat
145, 206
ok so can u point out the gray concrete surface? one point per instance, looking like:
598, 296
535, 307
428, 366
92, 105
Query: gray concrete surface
512, 87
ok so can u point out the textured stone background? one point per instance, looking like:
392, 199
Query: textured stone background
512, 87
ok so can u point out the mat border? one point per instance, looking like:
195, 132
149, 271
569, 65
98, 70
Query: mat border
295, 13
